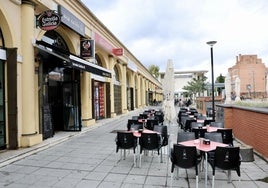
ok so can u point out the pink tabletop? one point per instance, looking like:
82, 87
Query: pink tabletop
142, 120
203, 147
212, 129
200, 121
137, 134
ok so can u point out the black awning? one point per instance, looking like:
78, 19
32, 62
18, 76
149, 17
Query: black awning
82, 64
72, 60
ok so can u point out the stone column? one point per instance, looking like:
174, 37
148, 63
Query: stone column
112, 64
124, 88
86, 100
30, 134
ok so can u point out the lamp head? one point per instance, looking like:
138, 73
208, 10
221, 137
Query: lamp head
211, 43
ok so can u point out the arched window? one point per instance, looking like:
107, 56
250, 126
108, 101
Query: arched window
54, 39
116, 74
98, 60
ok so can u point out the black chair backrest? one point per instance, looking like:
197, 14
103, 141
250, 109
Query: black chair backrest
185, 136
199, 133
188, 121
208, 121
151, 123
136, 126
184, 156
195, 124
214, 136
216, 124
227, 157
126, 140
143, 116
202, 117
131, 122
160, 116
135, 117
227, 136
162, 129
149, 141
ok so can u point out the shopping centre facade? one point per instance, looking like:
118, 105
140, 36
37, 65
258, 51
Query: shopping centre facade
61, 69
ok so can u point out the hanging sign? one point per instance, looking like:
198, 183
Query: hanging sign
118, 51
87, 48
49, 20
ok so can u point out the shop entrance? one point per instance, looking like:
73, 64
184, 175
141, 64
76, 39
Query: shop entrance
61, 96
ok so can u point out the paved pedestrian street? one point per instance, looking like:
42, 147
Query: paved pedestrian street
88, 159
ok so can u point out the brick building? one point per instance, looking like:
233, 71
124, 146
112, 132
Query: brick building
252, 73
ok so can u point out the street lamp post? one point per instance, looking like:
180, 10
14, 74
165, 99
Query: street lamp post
211, 43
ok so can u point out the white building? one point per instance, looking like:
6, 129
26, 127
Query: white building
182, 78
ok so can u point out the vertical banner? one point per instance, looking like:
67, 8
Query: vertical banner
87, 48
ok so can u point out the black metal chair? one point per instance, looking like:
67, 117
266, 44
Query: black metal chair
162, 129
143, 116
188, 121
185, 136
208, 121
136, 127
195, 124
226, 158
184, 157
214, 136
151, 123
150, 142
126, 141
160, 116
199, 132
182, 120
227, 136
131, 122
217, 124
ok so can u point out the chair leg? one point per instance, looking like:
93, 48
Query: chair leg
171, 179
124, 154
196, 181
135, 164
213, 179
161, 155
229, 176
140, 159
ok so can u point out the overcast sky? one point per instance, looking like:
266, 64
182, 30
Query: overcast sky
158, 30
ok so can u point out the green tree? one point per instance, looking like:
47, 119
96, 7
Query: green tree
154, 70
220, 79
196, 86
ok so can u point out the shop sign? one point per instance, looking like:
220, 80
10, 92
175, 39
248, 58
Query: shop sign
118, 51
71, 21
87, 48
103, 43
49, 20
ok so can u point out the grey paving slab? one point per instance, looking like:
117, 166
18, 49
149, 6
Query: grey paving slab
88, 159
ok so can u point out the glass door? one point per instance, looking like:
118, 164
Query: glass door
71, 106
